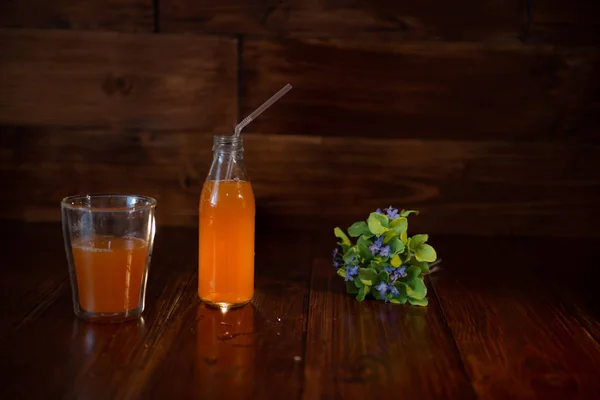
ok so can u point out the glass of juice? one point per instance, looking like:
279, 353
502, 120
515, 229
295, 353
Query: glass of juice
108, 241
226, 228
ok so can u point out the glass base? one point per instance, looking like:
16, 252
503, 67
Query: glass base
109, 318
224, 306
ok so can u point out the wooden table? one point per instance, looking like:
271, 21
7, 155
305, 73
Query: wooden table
508, 318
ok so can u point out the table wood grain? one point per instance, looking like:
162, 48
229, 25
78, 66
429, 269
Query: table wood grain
506, 319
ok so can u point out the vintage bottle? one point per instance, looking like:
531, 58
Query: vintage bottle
226, 231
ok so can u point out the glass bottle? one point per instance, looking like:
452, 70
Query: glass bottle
226, 232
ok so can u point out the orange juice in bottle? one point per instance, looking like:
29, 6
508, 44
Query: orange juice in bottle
226, 232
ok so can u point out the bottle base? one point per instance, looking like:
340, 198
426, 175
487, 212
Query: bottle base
224, 306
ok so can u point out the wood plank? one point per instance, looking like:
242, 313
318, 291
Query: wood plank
70, 358
565, 22
247, 353
383, 19
516, 337
548, 189
357, 350
578, 292
119, 15
125, 81
27, 279
472, 91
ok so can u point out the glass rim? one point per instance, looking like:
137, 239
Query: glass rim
67, 202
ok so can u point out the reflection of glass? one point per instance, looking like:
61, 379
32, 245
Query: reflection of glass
108, 241
225, 352
90, 360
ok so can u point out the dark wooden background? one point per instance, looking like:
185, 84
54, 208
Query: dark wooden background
483, 114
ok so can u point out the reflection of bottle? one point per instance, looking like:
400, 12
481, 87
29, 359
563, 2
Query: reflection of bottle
225, 353
226, 245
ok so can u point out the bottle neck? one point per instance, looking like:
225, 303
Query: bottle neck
228, 163
228, 145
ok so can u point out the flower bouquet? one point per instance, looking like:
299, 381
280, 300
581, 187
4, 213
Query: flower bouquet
384, 262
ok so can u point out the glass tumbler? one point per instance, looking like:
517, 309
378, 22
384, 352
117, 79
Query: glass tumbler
108, 241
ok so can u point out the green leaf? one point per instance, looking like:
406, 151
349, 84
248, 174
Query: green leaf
375, 264
402, 288
384, 276
406, 213
351, 287
417, 240
341, 272
418, 302
417, 289
399, 299
425, 253
399, 225
350, 254
368, 276
404, 237
376, 295
362, 292
363, 240
396, 262
378, 223
423, 265
364, 253
397, 246
359, 228
412, 272
340, 234
358, 283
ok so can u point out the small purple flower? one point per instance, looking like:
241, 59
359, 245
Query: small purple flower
376, 246
389, 269
402, 271
385, 251
351, 272
392, 213
393, 290
378, 211
337, 257
382, 288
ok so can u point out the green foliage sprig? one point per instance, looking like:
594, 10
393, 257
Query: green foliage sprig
384, 262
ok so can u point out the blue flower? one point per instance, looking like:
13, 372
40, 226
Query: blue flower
392, 213
374, 249
382, 288
337, 258
389, 269
385, 251
378, 211
351, 272
393, 290
376, 246
402, 271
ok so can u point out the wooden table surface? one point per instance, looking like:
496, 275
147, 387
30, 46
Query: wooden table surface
507, 318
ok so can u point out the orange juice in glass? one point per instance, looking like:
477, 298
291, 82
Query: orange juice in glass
226, 231
108, 241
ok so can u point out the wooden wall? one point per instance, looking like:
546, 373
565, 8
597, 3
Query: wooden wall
483, 114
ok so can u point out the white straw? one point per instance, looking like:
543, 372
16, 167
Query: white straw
256, 113
263, 107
